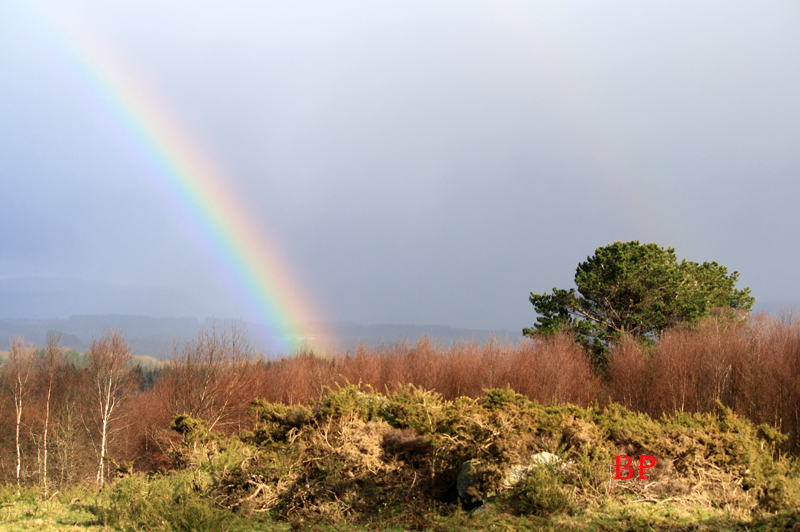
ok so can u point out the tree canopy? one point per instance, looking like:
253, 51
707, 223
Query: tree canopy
636, 289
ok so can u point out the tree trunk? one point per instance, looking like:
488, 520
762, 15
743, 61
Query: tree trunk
18, 406
106, 407
20, 358
109, 359
52, 362
44, 436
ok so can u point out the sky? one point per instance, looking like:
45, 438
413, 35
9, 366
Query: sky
406, 162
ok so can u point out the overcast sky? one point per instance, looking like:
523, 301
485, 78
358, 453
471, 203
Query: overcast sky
415, 162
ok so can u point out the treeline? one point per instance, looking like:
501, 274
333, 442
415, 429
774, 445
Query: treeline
72, 420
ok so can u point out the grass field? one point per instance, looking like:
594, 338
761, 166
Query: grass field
29, 513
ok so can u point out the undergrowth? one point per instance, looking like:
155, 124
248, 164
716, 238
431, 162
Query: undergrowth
358, 457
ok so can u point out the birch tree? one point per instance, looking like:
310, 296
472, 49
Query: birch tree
51, 361
17, 370
109, 365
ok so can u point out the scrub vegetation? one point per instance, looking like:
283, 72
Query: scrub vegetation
217, 438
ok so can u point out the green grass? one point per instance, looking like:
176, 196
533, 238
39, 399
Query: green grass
621, 518
63, 512
75, 513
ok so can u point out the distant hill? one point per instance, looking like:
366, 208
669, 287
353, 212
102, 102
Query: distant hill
155, 337
82, 309
347, 335
147, 336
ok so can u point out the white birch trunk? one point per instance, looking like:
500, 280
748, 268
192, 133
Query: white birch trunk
18, 405
106, 408
44, 436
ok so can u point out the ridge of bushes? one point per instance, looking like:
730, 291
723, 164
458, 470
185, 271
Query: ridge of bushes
356, 456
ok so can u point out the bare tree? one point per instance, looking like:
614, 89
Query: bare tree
208, 377
109, 365
17, 370
51, 361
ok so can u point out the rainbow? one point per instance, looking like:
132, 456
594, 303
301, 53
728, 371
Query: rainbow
187, 181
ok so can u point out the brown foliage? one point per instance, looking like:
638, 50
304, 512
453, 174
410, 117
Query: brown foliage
547, 370
752, 367
210, 378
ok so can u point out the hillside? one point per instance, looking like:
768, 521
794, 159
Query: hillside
155, 337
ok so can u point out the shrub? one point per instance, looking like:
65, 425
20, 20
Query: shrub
163, 502
543, 493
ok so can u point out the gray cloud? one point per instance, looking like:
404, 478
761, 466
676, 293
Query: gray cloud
416, 162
